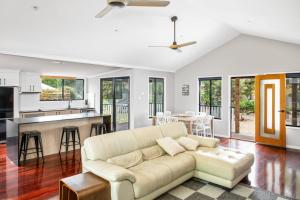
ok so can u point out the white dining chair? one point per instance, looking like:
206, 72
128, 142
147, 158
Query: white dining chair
168, 113
208, 126
172, 119
190, 113
161, 120
159, 114
201, 114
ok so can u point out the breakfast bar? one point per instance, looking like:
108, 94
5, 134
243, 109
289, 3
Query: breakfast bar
50, 128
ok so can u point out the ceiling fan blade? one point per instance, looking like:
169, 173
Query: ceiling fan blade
160, 46
148, 3
104, 12
186, 44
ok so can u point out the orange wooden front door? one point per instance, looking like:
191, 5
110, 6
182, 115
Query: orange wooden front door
270, 104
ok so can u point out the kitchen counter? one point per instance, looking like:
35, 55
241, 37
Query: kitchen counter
51, 131
55, 118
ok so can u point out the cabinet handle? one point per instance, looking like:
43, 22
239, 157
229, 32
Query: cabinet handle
4, 81
33, 87
30, 88
0, 81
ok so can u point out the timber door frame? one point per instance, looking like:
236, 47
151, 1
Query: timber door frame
281, 141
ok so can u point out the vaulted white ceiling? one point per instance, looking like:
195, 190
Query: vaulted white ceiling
67, 30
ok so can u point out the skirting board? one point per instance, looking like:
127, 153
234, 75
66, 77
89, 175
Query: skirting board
293, 147
222, 136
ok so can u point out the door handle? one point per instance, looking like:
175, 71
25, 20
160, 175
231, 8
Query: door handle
281, 111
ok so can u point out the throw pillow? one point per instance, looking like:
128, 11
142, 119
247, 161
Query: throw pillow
170, 146
188, 143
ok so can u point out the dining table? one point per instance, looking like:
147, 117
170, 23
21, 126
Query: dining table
187, 120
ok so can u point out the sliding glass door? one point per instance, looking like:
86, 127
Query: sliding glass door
114, 100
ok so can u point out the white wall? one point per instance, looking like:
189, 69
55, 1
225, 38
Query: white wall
138, 93
245, 55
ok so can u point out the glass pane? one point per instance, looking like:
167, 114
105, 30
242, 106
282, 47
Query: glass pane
107, 96
151, 97
74, 89
122, 103
159, 88
270, 96
293, 101
205, 96
216, 98
51, 89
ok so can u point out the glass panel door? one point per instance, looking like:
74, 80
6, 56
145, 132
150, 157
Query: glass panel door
122, 103
106, 98
114, 100
270, 110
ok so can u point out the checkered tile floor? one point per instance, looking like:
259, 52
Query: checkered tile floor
196, 189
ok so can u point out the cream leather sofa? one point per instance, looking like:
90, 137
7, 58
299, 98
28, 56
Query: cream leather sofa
155, 176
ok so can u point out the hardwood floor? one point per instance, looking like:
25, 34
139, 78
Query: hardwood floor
275, 169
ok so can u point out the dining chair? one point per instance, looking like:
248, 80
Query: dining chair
207, 125
190, 113
168, 113
201, 114
161, 121
159, 114
172, 119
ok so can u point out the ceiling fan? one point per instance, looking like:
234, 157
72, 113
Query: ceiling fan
174, 45
123, 3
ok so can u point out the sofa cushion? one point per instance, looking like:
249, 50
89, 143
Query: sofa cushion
205, 141
147, 136
110, 145
150, 176
150, 153
225, 163
127, 160
179, 165
174, 130
170, 146
188, 143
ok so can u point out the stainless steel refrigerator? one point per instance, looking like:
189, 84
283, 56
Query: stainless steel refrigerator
6, 109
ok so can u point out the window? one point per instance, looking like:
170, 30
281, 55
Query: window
156, 96
59, 89
210, 96
293, 100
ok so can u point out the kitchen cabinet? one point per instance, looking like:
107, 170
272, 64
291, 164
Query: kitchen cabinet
9, 78
31, 82
49, 113
32, 114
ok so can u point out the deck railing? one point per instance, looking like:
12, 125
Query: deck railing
211, 110
159, 108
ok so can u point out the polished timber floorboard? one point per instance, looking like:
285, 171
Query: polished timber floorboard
276, 170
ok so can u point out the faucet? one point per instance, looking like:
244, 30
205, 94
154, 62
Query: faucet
69, 104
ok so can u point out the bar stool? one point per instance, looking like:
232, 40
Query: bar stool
36, 135
67, 131
100, 128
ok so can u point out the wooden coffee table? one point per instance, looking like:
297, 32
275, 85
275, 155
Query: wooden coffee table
85, 186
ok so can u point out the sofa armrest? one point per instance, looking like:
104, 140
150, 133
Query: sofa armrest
205, 142
108, 171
